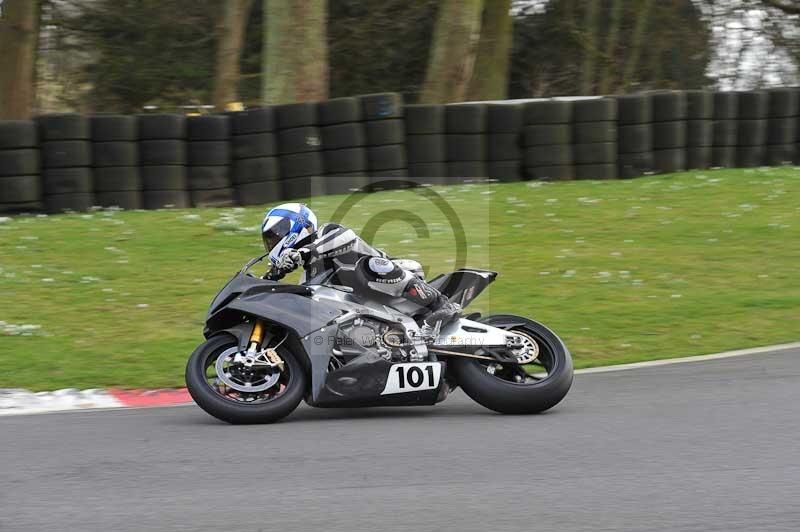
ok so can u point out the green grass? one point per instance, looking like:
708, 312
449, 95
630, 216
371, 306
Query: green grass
623, 270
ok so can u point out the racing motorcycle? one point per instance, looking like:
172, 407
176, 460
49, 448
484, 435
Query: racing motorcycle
270, 345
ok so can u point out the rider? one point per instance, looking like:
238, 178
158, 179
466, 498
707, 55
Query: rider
292, 239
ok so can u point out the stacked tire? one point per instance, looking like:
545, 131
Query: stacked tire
466, 142
726, 110
343, 141
699, 129
425, 144
594, 136
784, 106
209, 157
162, 155
20, 184
385, 134
669, 131
635, 135
299, 148
115, 155
751, 129
66, 161
504, 149
547, 139
256, 169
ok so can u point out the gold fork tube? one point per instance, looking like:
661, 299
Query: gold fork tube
257, 336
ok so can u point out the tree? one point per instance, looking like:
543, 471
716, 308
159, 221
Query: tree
611, 46
563, 48
396, 34
143, 52
489, 79
19, 37
756, 42
589, 38
453, 51
637, 40
295, 55
231, 30
787, 6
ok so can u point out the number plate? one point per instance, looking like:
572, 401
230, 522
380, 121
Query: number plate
413, 377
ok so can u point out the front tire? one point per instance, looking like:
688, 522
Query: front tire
508, 397
293, 386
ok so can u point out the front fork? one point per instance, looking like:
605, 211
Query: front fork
256, 337
255, 355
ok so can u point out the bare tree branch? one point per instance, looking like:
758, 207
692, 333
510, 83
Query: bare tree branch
787, 6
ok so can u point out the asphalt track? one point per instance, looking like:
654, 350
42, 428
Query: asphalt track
702, 446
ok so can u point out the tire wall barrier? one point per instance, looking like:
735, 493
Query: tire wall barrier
384, 131
634, 136
300, 160
504, 136
117, 179
68, 162
669, 131
255, 174
208, 169
344, 143
466, 141
547, 140
699, 129
751, 128
594, 138
162, 159
425, 143
784, 106
20, 180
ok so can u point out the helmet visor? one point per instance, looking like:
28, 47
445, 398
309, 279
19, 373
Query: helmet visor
276, 233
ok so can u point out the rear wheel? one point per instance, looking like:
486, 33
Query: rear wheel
539, 384
232, 392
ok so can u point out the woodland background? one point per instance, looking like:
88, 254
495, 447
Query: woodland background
96, 56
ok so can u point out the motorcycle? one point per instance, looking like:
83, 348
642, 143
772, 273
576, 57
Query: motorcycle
269, 345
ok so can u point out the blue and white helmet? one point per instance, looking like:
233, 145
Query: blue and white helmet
284, 226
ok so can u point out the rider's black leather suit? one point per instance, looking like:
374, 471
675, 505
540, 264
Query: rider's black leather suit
333, 246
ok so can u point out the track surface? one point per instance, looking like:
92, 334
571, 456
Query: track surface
704, 446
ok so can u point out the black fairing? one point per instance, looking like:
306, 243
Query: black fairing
358, 383
464, 285
284, 304
361, 382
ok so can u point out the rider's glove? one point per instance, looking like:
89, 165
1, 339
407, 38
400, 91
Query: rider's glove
289, 261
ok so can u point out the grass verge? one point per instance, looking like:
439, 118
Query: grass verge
624, 271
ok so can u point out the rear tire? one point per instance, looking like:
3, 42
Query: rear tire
509, 397
242, 413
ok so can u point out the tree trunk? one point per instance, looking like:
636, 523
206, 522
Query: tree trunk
230, 30
453, 50
590, 47
295, 51
611, 48
490, 74
635, 48
19, 37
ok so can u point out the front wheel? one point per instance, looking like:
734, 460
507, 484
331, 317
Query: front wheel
538, 385
243, 395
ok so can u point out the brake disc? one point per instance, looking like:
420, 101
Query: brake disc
249, 380
529, 351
